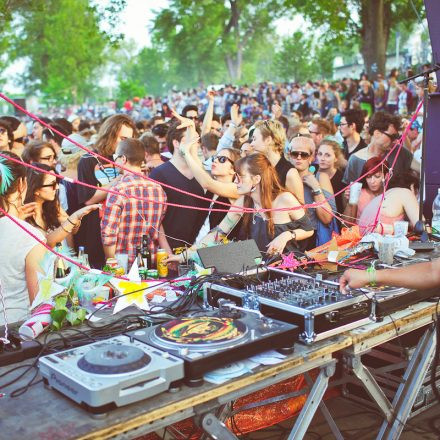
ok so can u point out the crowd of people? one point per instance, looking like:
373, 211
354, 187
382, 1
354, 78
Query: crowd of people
270, 162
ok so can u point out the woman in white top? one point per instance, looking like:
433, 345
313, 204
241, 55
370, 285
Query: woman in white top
20, 254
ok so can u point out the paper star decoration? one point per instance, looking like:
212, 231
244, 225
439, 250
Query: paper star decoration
137, 298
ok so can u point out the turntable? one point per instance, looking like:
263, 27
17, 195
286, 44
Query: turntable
212, 340
111, 373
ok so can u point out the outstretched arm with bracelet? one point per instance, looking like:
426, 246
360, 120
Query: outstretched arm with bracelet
216, 235
416, 276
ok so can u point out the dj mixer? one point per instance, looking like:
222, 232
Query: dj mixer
315, 305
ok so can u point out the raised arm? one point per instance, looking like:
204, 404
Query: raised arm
227, 140
207, 120
223, 189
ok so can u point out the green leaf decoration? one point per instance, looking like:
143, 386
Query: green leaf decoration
72, 317
61, 302
58, 317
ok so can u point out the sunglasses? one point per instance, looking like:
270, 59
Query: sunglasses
52, 185
393, 137
194, 118
301, 154
222, 159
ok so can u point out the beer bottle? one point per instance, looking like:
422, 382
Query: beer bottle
141, 265
61, 271
146, 255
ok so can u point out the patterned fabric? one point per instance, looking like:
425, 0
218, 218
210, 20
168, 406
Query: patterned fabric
125, 220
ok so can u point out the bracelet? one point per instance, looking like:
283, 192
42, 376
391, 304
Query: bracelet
316, 192
293, 234
64, 229
382, 229
371, 271
71, 222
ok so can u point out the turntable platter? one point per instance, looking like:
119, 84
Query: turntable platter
201, 330
113, 359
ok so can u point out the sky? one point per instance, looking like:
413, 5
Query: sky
137, 16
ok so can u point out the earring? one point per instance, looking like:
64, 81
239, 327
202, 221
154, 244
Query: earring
253, 188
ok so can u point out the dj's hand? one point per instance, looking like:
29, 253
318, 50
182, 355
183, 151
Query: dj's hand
353, 279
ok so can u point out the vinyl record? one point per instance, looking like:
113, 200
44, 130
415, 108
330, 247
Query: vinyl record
201, 330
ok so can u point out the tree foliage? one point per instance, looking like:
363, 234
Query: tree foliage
293, 60
367, 21
63, 44
209, 40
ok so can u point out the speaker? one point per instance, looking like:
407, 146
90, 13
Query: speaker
22, 103
233, 257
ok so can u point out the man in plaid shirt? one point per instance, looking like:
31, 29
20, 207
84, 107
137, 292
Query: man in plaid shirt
125, 220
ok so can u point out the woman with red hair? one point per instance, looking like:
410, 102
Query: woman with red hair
372, 185
377, 212
285, 229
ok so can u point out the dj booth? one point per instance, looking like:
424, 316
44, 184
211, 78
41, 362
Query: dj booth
44, 413
349, 335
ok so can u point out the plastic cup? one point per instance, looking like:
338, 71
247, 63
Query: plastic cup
122, 260
386, 250
400, 228
355, 193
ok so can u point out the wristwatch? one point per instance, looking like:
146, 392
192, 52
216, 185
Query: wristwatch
316, 192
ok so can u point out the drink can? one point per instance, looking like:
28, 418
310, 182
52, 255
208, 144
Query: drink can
112, 262
162, 268
152, 273
143, 273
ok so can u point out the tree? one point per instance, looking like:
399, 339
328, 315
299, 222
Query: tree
370, 21
293, 60
62, 43
198, 34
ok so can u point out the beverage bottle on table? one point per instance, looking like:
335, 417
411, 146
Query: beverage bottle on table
436, 216
83, 258
146, 255
60, 268
140, 264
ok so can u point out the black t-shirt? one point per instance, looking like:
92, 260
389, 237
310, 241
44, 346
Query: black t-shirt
94, 172
358, 147
181, 225
338, 186
282, 168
